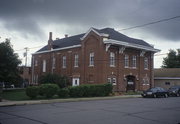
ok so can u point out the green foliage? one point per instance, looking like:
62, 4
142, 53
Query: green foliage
172, 60
90, 90
48, 90
8, 64
32, 91
63, 93
61, 81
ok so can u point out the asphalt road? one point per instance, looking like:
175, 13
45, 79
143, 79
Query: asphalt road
118, 111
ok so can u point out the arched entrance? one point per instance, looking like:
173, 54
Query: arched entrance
131, 84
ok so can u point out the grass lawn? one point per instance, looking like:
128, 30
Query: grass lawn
15, 95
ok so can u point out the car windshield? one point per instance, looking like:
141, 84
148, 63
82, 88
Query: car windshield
152, 90
173, 88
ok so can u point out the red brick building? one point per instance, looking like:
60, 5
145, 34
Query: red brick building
98, 56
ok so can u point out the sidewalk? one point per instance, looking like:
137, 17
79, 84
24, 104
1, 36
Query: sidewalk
30, 102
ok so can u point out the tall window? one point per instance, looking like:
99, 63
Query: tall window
64, 62
36, 63
126, 61
91, 59
134, 62
145, 63
76, 60
54, 63
44, 66
112, 59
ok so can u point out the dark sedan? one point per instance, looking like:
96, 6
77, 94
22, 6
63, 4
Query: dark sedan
155, 92
174, 91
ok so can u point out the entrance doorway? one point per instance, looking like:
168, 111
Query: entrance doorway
75, 82
130, 83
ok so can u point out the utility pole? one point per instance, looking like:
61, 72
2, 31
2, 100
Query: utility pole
25, 55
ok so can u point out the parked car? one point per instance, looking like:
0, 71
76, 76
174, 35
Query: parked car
155, 92
174, 91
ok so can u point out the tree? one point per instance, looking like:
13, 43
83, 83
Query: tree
9, 62
172, 60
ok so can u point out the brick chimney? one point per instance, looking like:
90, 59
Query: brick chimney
50, 41
66, 35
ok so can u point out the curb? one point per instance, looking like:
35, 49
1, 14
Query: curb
32, 102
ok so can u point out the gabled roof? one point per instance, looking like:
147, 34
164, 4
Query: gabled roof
167, 72
112, 34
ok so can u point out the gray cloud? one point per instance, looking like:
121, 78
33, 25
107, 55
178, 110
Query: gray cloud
29, 16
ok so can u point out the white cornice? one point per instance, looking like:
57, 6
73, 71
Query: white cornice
111, 41
47, 51
99, 34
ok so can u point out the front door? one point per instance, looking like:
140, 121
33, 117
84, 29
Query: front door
75, 82
130, 83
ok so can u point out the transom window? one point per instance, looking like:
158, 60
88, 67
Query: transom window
76, 58
91, 59
126, 61
112, 59
134, 61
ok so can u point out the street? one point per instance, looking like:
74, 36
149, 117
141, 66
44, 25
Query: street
117, 111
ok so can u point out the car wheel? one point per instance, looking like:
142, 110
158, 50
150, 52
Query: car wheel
166, 95
154, 95
177, 95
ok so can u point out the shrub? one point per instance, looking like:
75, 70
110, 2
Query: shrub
48, 90
90, 90
32, 91
61, 81
63, 93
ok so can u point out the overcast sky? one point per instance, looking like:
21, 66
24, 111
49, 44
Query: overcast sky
28, 22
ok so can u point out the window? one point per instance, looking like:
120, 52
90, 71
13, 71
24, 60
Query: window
134, 62
167, 83
64, 62
126, 61
54, 63
91, 59
112, 80
145, 63
44, 66
36, 63
76, 59
112, 59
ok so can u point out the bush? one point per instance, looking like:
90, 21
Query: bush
90, 90
48, 90
61, 81
32, 91
63, 93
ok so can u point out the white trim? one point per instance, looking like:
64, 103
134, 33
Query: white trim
130, 45
46, 51
91, 29
171, 78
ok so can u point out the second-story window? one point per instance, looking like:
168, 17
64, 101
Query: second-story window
76, 60
36, 63
134, 61
64, 62
145, 63
112, 59
126, 61
44, 66
53, 63
91, 59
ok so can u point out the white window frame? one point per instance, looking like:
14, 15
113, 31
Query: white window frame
91, 59
146, 63
112, 59
134, 62
64, 62
126, 61
112, 80
76, 60
44, 66
75, 81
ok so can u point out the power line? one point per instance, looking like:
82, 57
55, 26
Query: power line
150, 23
